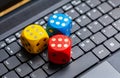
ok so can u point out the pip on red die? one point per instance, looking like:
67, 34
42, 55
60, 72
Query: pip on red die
59, 49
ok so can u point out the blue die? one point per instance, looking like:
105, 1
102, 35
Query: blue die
59, 23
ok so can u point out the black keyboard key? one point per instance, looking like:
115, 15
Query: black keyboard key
11, 74
38, 74
36, 62
83, 20
87, 45
93, 3
50, 68
44, 55
95, 26
109, 31
75, 27
3, 69
98, 38
77, 66
112, 44
75, 39
82, 8
40, 22
115, 13
12, 62
10, 39
83, 33
18, 34
19, 42
75, 2
118, 37
94, 14
23, 55
23, 70
47, 16
114, 3
104, 7
116, 24
105, 20
58, 11
67, 7
13, 48
2, 44
76, 52
101, 52
3, 55
72, 13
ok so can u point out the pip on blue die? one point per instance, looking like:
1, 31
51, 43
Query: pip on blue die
59, 23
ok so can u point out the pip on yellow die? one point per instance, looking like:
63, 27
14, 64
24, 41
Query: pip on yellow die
34, 38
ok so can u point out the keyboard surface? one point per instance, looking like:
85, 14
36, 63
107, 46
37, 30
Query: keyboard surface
95, 36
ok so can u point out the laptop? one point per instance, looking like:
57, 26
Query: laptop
95, 38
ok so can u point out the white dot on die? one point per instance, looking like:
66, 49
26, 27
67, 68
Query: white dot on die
53, 45
54, 16
63, 24
60, 18
65, 19
52, 21
65, 45
59, 39
59, 45
57, 23
53, 39
66, 40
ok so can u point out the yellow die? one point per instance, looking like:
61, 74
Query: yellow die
34, 38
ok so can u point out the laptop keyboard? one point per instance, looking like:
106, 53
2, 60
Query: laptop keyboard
95, 36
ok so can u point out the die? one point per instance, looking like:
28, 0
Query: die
34, 38
59, 49
59, 23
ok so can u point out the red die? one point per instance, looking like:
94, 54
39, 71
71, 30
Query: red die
59, 49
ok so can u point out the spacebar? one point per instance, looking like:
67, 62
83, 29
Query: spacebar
77, 66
